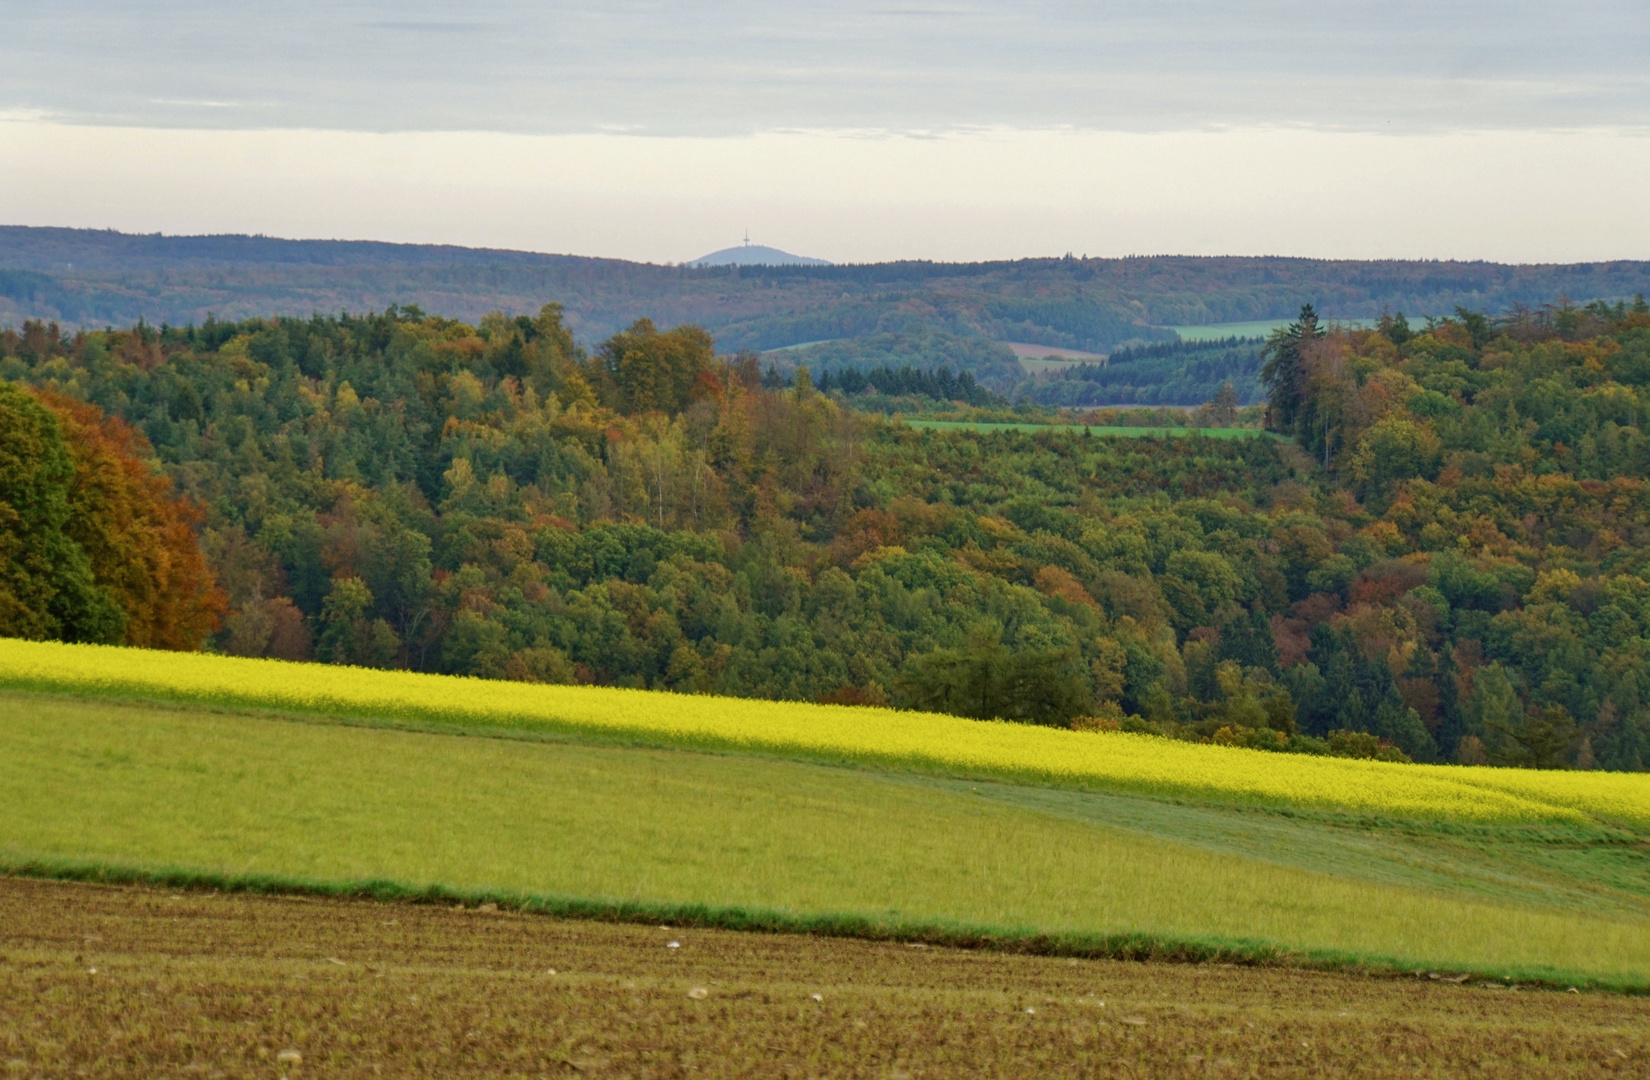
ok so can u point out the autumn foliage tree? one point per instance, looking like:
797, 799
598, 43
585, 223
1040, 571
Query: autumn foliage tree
47, 587
643, 369
95, 548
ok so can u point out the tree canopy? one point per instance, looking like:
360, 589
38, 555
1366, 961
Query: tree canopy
92, 545
1449, 560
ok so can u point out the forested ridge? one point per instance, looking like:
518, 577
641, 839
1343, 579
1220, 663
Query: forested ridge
1450, 566
94, 278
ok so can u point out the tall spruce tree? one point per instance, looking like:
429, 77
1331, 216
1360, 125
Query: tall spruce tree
1283, 372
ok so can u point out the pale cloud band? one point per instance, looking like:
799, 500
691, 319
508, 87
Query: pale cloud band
734, 67
848, 129
1509, 195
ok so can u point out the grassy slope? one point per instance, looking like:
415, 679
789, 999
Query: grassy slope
1605, 807
159, 786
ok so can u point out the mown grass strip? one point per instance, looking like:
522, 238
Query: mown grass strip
882, 737
1130, 946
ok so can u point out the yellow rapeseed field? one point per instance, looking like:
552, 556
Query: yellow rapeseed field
870, 736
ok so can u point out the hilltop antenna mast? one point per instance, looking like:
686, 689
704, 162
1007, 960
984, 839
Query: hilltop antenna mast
747, 238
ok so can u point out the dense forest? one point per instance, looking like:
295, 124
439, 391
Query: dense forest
1184, 373
1445, 558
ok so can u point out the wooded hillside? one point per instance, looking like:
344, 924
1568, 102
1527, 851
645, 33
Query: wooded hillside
1465, 580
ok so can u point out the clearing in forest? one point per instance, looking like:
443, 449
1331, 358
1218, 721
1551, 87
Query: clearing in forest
1115, 432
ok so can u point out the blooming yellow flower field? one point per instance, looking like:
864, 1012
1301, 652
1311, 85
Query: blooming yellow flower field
878, 737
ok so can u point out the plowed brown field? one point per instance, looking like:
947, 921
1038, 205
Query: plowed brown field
122, 982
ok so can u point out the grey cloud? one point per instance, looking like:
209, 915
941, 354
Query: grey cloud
733, 67
427, 26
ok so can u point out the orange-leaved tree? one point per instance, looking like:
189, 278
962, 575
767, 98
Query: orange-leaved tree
141, 541
47, 589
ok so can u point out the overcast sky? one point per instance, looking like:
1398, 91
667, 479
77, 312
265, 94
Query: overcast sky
850, 130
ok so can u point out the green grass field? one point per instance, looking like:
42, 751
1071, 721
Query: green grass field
1113, 432
1607, 804
1039, 365
1259, 328
1221, 331
155, 788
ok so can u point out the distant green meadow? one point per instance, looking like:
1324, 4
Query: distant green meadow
1259, 328
1220, 331
1114, 432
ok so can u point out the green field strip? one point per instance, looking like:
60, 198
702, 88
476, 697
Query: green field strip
150, 789
1573, 867
1258, 328
881, 738
798, 345
1096, 430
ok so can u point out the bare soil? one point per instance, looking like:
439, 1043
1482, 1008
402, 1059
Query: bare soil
102, 981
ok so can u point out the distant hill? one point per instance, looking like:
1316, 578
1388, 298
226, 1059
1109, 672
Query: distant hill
54, 250
749, 254
85, 277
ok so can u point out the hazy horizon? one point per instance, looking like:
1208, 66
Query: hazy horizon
518, 251
849, 132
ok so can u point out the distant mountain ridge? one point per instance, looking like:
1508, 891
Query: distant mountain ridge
86, 277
